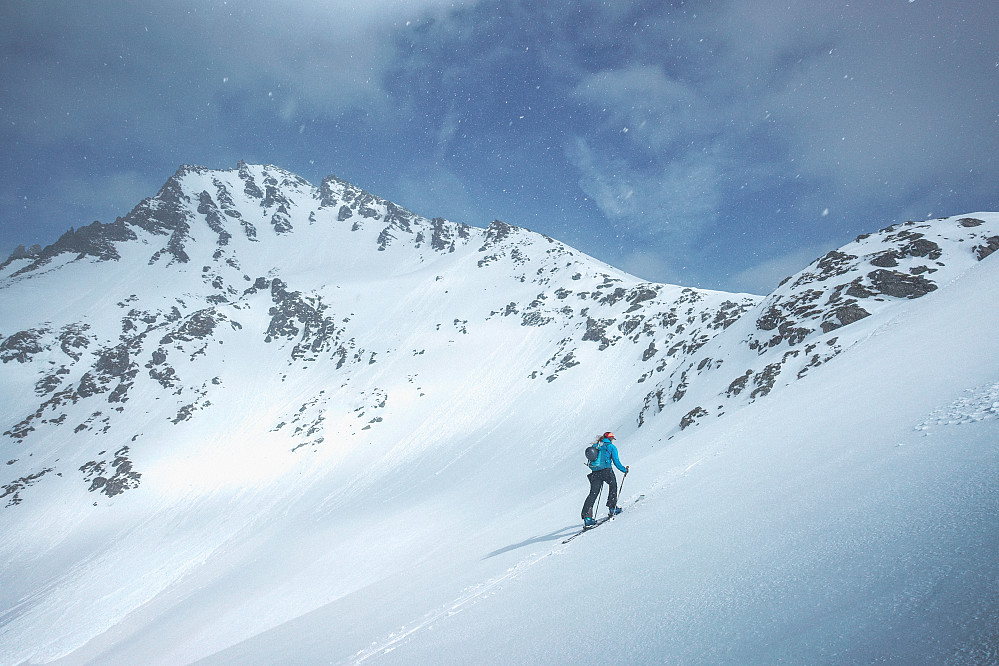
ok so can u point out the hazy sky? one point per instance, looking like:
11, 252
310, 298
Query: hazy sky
716, 143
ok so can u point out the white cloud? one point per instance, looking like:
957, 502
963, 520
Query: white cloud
876, 102
654, 163
764, 277
647, 265
117, 193
640, 102
677, 199
855, 106
328, 56
155, 70
439, 192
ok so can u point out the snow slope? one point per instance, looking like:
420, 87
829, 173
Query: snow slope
258, 421
836, 524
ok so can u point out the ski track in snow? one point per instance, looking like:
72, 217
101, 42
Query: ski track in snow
475, 593
469, 595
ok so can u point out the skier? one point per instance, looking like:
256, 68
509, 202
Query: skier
603, 473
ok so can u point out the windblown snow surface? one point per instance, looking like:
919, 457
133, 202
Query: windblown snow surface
261, 422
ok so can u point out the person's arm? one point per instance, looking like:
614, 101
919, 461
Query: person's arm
617, 461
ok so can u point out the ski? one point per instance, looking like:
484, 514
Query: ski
587, 528
599, 522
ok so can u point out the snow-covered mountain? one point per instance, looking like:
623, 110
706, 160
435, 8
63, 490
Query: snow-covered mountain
259, 421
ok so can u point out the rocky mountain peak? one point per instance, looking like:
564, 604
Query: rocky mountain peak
226, 281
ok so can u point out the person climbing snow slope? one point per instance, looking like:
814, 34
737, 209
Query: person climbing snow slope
602, 471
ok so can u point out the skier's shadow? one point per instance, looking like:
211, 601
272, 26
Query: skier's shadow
557, 534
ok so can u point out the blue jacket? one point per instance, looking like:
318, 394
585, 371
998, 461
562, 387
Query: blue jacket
607, 455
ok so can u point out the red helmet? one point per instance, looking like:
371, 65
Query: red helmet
608, 435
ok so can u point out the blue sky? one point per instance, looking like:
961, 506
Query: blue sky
720, 144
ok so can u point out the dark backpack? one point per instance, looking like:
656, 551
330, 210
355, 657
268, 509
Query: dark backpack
592, 453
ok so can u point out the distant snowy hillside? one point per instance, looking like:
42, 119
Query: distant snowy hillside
255, 414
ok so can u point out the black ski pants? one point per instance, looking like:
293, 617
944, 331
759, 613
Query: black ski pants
597, 479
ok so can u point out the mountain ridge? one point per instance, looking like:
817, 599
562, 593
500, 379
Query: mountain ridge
244, 340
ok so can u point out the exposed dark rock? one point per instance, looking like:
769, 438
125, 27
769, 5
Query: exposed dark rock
496, 233
690, 418
900, 285
259, 284
160, 371
213, 216
444, 235
21, 252
659, 396
681, 388
226, 202
183, 414
885, 259
738, 384
327, 194
535, 318
845, 314
858, 290
95, 240
639, 295
14, 488
629, 325
398, 217
166, 214
21, 346
770, 318
613, 297
921, 247
250, 187
970, 222
991, 245
294, 316
729, 312
765, 380
567, 361
273, 196
799, 306
122, 479
51, 382
228, 205
596, 331
113, 364
281, 221
353, 199
794, 334
196, 326
834, 263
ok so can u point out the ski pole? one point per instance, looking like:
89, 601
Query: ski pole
620, 491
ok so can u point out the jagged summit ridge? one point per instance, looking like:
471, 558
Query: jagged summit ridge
243, 203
